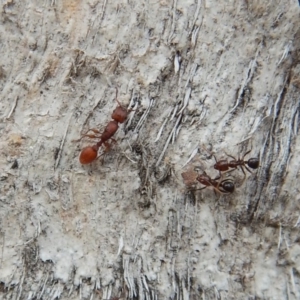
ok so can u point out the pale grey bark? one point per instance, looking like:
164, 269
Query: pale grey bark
203, 77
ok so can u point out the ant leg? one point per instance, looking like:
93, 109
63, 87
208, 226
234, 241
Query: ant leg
248, 169
100, 155
217, 162
96, 131
117, 91
247, 153
228, 171
91, 136
219, 191
243, 172
225, 172
218, 176
131, 109
230, 156
113, 140
100, 126
242, 168
128, 110
108, 145
216, 188
198, 189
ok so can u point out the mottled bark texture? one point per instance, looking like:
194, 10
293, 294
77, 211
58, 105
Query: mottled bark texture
203, 78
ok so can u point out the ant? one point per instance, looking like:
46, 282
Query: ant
223, 187
89, 154
225, 165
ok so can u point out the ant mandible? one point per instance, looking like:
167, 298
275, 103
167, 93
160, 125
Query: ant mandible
224, 165
89, 154
223, 187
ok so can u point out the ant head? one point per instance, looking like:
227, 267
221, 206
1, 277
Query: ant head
120, 114
253, 163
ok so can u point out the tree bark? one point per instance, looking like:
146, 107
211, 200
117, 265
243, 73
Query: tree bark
202, 79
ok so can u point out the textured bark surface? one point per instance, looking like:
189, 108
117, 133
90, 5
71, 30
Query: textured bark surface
203, 77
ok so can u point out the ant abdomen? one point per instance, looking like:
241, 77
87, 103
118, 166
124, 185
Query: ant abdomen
88, 154
227, 186
253, 163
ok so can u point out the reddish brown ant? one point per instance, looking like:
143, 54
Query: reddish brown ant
89, 154
224, 165
223, 187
